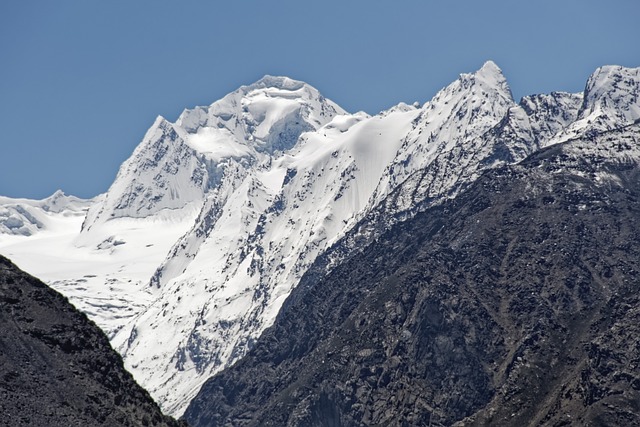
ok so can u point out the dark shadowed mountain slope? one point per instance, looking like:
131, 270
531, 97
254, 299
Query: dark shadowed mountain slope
57, 368
514, 304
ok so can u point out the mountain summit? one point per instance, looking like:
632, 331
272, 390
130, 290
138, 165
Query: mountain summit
178, 163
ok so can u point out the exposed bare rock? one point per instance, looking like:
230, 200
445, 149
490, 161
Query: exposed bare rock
57, 368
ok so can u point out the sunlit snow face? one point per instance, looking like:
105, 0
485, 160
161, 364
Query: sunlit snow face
267, 116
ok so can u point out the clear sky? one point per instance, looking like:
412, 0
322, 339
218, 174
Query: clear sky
81, 81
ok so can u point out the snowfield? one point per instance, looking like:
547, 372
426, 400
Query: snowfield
106, 276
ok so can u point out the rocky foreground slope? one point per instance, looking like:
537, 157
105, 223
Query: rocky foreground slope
57, 367
514, 304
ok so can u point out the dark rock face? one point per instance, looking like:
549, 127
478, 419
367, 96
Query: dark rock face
514, 304
57, 368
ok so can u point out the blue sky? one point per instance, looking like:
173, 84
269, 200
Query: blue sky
81, 81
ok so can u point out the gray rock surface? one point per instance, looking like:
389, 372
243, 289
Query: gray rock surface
57, 367
514, 304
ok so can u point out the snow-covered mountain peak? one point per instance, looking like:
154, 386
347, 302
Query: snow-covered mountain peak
177, 164
401, 107
268, 115
451, 122
489, 67
471, 97
163, 172
488, 80
611, 100
614, 89
59, 201
276, 82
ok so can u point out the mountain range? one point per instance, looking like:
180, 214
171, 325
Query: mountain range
245, 214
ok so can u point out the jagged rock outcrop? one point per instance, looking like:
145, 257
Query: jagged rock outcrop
57, 367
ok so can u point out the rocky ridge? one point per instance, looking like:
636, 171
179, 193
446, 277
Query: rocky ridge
512, 304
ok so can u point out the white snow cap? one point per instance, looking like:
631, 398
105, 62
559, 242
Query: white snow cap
251, 110
614, 87
279, 82
490, 76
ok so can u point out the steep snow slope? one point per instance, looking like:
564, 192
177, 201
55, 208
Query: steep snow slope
225, 281
451, 122
523, 129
